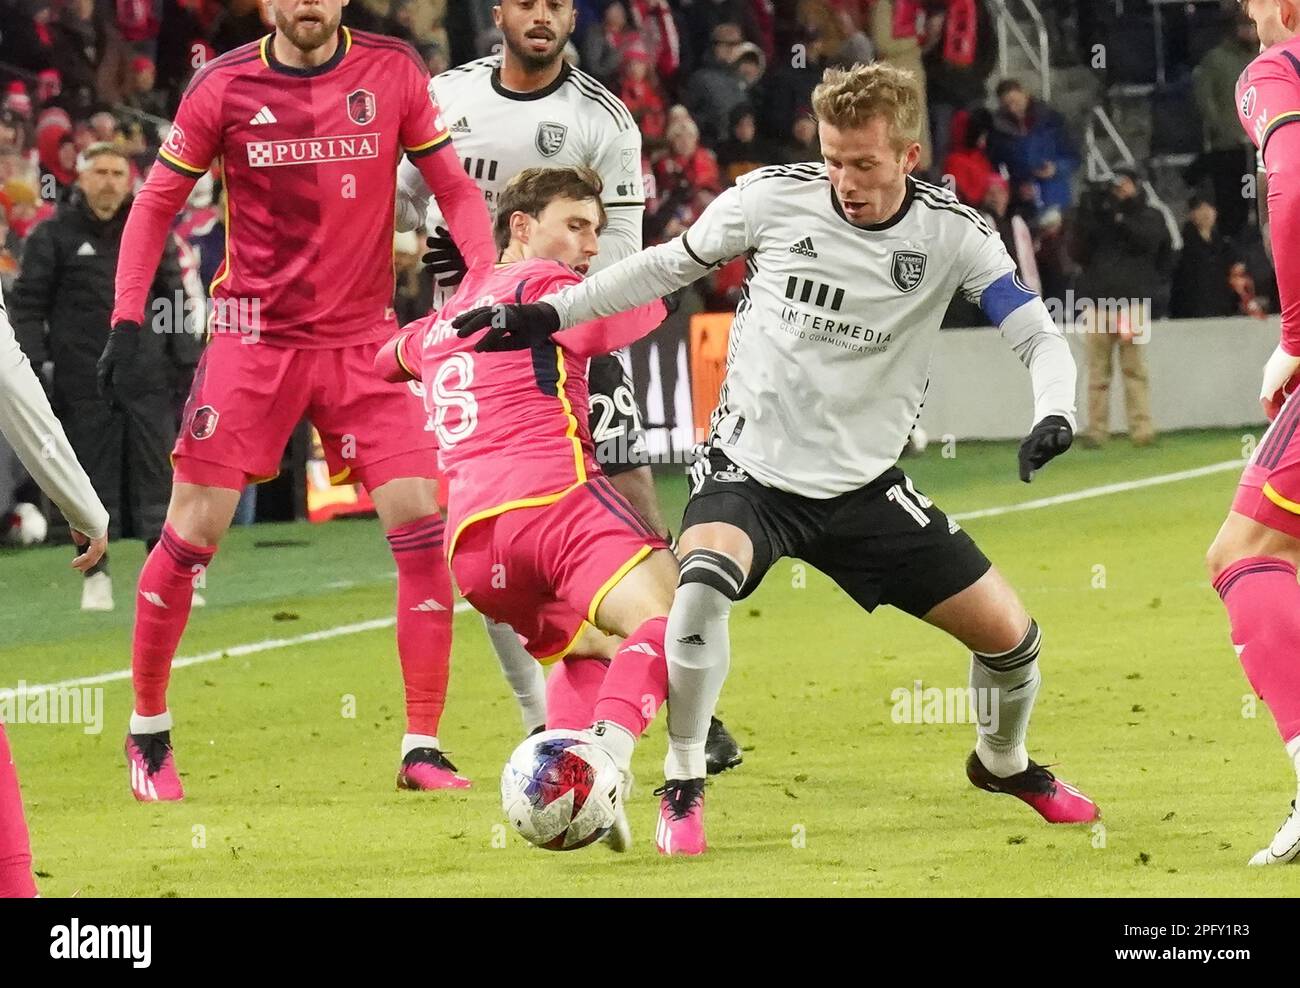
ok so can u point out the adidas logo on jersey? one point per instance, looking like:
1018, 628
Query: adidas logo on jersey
263, 116
87, 249
153, 597
461, 126
804, 247
428, 605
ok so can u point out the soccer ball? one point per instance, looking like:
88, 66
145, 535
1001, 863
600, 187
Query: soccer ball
560, 790
24, 526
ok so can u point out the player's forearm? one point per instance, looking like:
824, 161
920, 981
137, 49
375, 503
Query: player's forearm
621, 237
612, 332
29, 425
393, 362
645, 276
1284, 228
1042, 348
461, 203
143, 239
412, 197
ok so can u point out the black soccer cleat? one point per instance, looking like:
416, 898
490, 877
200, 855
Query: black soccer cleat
721, 751
1055, 800
427, 769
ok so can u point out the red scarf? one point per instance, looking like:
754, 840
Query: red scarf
959, 33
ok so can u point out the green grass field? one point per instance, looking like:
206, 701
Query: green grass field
1142, 706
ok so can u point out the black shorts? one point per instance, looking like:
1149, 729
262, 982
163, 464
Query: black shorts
614, 419
885, 543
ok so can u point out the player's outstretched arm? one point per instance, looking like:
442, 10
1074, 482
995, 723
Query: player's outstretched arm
461, 203
30, 426
1036, 340
720, 234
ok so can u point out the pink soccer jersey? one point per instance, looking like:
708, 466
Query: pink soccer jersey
308, 158
1268, 99
512, 427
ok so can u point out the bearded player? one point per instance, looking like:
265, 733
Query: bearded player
309, 124
528, 108
1254, 557
541, 540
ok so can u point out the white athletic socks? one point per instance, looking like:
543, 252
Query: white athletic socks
523, 672
151, 725
699, 654
617, 740
1005, 685
412, 741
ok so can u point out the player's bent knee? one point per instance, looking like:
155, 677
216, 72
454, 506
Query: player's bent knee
200, 514
712, 568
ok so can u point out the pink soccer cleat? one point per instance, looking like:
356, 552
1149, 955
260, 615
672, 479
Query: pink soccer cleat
681, 817
153, 769
425, 769
1055, 800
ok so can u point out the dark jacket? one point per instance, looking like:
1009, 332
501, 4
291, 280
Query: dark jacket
1025, 146
63, 299
1124, 250
1200, 285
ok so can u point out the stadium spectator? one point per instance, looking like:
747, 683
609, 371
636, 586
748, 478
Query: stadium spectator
1013, 230
701, 18
957, 65
92, 59
640, 92
660, 32
1029, 139
138, 22
1248, 301
141, 93
896, 30
843, 41
968, 162
787, 90
744, 150
1227, 156
803, 143
1123, 246
1056, 268
605, 44
60, 312
686, 180
1200, 284
717, 86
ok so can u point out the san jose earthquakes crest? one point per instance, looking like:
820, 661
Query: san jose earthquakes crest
907, 269
550, 138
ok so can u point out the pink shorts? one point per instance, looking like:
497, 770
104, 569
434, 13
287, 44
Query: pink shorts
247, 399
1269, 490
544, 571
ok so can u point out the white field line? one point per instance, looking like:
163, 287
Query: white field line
269, 644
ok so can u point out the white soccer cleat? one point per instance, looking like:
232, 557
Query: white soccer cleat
1285, 847
97, 592
619, 838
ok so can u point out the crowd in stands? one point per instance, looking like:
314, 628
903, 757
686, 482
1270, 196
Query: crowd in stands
719, 87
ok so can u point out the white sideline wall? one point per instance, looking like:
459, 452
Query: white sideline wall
1204, 373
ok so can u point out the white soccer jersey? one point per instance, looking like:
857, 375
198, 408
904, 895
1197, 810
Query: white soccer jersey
498, 133
829, 355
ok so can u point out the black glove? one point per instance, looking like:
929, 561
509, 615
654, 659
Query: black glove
1050, 438
509, 327
117, 360
444, 259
